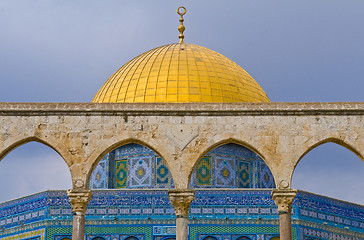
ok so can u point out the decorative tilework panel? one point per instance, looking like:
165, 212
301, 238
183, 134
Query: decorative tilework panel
121, 173
162, 174
37, 234
141, 171
266, 179
208, 211
203, 170
232, 166
243, 175
164, 230
99, 177
152, 173
233, 232
224, 172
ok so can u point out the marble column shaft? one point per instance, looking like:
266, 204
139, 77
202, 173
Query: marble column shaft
79, 200
181, 201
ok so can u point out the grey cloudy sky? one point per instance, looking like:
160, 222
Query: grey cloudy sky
298, 51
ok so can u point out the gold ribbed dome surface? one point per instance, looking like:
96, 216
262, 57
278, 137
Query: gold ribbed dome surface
180, 73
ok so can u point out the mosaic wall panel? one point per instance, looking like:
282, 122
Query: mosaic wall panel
266, 179
203, 172
162, 174
36, 234
115, 237
99, 178
243, 172
121, 232
228, 166
306, 233
231, 166
121, 173
234, 232
211, 212
225, 173
164, 230
143, 169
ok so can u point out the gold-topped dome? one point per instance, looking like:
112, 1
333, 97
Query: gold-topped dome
180, 73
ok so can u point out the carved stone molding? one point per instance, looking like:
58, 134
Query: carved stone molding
79, 200
284, 199
181, 201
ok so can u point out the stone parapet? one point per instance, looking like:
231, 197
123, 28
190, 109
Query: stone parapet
182, 109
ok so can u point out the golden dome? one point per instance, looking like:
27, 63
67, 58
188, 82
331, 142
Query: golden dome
180, 73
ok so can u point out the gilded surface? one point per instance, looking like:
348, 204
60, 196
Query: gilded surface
180, 73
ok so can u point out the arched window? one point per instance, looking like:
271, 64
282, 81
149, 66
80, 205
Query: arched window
275, 238
131, 238
66, 238
243, 238
210, 238
98, 238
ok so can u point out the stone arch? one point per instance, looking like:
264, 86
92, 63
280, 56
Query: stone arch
239, 143
118, 144
336, 164
337, 141
56, 147
49, 159
223, 142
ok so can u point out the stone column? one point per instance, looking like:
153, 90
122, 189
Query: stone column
79, 200
283, 199
181, 201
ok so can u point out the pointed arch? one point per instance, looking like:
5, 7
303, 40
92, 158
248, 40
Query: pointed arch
97, 156
229, 166
224, 142
26, 140
32, 165
332, 168
335, 140
158, 166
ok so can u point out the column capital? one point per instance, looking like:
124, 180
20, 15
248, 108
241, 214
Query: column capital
79, 200
181, 201
284, 199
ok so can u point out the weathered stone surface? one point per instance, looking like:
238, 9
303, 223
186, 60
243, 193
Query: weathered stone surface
281, 133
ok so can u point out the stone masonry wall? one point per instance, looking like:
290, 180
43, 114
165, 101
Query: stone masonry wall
281, 133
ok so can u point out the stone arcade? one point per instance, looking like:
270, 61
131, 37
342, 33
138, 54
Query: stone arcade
181, 101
